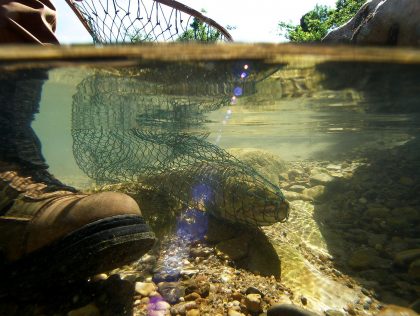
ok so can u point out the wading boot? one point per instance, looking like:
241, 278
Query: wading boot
51, 234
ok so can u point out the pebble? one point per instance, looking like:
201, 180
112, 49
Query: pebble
88, 310
145, 288
193, 312
171, 291
182, 308
237, 296
100, 277
288, 310
253, 290
253, 303
162, 305
189, 272
201, 288
192, 296
232, 312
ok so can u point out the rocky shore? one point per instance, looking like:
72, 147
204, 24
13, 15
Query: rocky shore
350, 247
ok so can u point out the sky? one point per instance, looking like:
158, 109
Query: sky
255, 20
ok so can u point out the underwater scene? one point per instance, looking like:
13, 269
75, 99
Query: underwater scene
280, 178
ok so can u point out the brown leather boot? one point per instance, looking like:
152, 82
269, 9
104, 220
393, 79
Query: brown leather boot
49, 233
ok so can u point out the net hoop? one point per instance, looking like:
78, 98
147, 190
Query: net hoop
88, 22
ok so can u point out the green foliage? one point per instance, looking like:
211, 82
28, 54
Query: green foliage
199, 32
315, 24
138, 36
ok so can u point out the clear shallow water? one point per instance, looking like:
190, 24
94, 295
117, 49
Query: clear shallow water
341, 118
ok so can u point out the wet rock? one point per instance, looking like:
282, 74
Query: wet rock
294, 196
233, 312
297, 188
288, 310
377, 211
332, 312
365, 258
414, 269
193, 312
376, 239
201, 288
381, 22
295, 173
182, 308
235, 248
88, 310
189, 272
332, 167
201, 252
171, 291
166, 275
394, 310
253, 303
410, 214
314, 192
145, 288
192, 296
253, 290
100, 277
158, 307
404, 258
320, 178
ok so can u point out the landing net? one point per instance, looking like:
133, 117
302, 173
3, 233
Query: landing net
134, 21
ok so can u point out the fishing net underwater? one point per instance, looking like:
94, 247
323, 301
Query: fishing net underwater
128, 126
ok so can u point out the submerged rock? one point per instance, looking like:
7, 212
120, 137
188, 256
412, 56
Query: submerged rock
394, 310
253, 303
288, 310
405, 257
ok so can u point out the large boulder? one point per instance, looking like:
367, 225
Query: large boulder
381, 22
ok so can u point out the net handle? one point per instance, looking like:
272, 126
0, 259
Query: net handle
80, 17
170, 3
186, 9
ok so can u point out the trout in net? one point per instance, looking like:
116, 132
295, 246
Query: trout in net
146, 132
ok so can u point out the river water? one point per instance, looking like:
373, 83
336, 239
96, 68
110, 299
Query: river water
351, 116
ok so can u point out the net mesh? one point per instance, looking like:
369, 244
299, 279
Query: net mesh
132, 21
146, 127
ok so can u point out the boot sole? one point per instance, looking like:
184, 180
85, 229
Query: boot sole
97, 247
